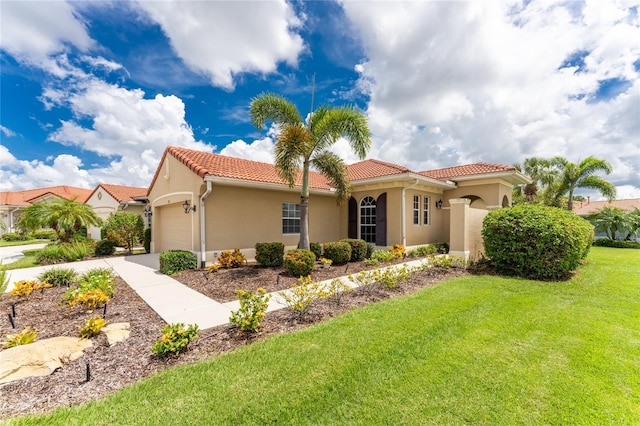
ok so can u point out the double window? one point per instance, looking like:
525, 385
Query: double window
416, 210
425, 212
417, 206
290, 218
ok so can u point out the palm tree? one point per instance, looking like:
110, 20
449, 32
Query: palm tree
581, 175
611, 220
63, 216
301, 145
541, 171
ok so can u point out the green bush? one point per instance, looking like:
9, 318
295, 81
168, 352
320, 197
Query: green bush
175, 339
383, 256
231, 259
253, 308
103, 233
270, 254
443, 248
299, 262
58, 277
93, 287
608, 242
13, 236
43, 234
370, 249
536, 241
4, 279
174, 261
92, 327
423, 251
105, 248
147, 240
63, 252
358, 249
339, 252
316, 248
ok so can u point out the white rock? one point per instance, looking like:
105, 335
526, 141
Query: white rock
116, 332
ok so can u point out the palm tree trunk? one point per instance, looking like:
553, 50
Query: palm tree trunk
304, 208
570, 203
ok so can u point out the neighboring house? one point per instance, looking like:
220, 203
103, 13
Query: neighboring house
586, 208
207, 203
13, 202
107, 199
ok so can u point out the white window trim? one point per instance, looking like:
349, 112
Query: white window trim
416, 210
289, 218
426, 211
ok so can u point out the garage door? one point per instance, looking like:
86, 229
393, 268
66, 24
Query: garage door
175, 228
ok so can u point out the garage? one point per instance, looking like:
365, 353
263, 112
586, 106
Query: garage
175, 233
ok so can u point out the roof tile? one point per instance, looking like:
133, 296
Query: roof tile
22, 198
582, 208
448, 173
122, 192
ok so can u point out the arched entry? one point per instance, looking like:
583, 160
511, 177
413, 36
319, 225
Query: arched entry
476, 202
505, 201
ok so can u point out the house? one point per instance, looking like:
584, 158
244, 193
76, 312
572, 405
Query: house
107, 199
207, 203
586, 208
13, 202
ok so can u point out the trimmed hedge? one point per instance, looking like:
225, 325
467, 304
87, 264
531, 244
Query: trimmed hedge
105, 248
174, 261
270, 254
13, 236
316, 248
608, 242
146, 238
536, 241
358, 249
299, 262
339, 252
43, 234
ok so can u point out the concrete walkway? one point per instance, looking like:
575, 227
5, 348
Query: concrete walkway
171, 300
13, 253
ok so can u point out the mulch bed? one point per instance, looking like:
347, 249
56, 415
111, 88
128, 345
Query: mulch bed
115, 367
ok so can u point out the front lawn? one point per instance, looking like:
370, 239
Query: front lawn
477, 349
4, 243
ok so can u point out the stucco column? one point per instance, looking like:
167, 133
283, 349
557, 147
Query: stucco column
458, 226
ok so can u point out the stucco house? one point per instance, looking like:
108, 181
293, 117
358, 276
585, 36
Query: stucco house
207, 203
107, 199
586, 208
13, 202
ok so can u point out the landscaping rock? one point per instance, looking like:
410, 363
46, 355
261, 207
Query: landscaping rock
40, 358
117, 332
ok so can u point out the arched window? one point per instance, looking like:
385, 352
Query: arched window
368, 219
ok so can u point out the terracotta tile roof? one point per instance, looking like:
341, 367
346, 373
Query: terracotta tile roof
583, 208
449, 173
205, 163
23, 198
374, 168
122, 193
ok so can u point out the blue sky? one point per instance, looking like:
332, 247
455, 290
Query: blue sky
94, 91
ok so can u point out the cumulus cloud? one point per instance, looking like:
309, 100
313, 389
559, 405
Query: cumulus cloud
7, 132
258, 150
220, 39
453, 82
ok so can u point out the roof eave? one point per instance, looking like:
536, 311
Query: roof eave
512, 176
263, 185
408, 177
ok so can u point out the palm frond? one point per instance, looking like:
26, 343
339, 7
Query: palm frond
346, 122
272, 107
334, 169
290, 149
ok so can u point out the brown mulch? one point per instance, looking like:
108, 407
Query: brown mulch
115, 367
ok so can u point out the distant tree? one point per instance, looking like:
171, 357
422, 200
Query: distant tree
126, 228
543, 172
582, 175
634, 223
63, 216
303, 145
612, 221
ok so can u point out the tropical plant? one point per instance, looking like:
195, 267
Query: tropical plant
301, 145
543, 173
613, 221
582, 175
125, 227
634, 223
63, 216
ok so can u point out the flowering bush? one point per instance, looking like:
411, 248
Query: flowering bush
339, 252
253, 308
92, 327
26, 336
397, 251
230, 259
299, 262
300, 296
175, 339
270, 254
358, 249
23, 288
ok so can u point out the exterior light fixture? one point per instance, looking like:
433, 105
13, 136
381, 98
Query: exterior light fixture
147, 211
439, 204
188, 207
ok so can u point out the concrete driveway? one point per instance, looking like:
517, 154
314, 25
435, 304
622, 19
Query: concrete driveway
11, 254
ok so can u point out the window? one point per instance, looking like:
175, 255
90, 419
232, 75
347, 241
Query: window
416, 210
368, 219
425, 213
290, 218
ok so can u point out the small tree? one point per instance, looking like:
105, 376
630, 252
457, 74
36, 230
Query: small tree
126, 227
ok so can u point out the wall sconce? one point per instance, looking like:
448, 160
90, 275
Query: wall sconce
147, 211
439, 204
188, 207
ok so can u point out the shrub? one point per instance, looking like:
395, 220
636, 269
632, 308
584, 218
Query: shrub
316, 248
370, 250
94, 288
58, 277
336, 289
228, 259
4, 279
175, 339
423, 251
397, 251
358, 249
23, 288
125, 229
607, 242
174, 261
299, 262
105, 248
339, 252
92, 327
90, 299
43, 234
62, 252
146, 238
392, 276
270, 254
26, 336
103, 233
13, 236
300, 296
536, 241
382, 256
443, 248
444, 262
253, 308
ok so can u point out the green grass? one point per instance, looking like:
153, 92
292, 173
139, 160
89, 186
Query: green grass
4, 243
28, 261
473, 350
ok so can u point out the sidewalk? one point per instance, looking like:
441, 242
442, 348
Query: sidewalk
171, 300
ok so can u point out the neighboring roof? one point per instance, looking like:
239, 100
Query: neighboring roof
22, 198
449, 173
122, 193
374, 168
582, 208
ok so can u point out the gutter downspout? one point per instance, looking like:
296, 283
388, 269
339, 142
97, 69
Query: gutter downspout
203, 243
11, 224
403, 210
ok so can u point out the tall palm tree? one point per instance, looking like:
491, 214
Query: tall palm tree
301, 145
543, 172
63, 216
582, 175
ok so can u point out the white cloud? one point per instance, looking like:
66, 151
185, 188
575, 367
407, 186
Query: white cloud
220, 39
258, 150
486, 76
7, 132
